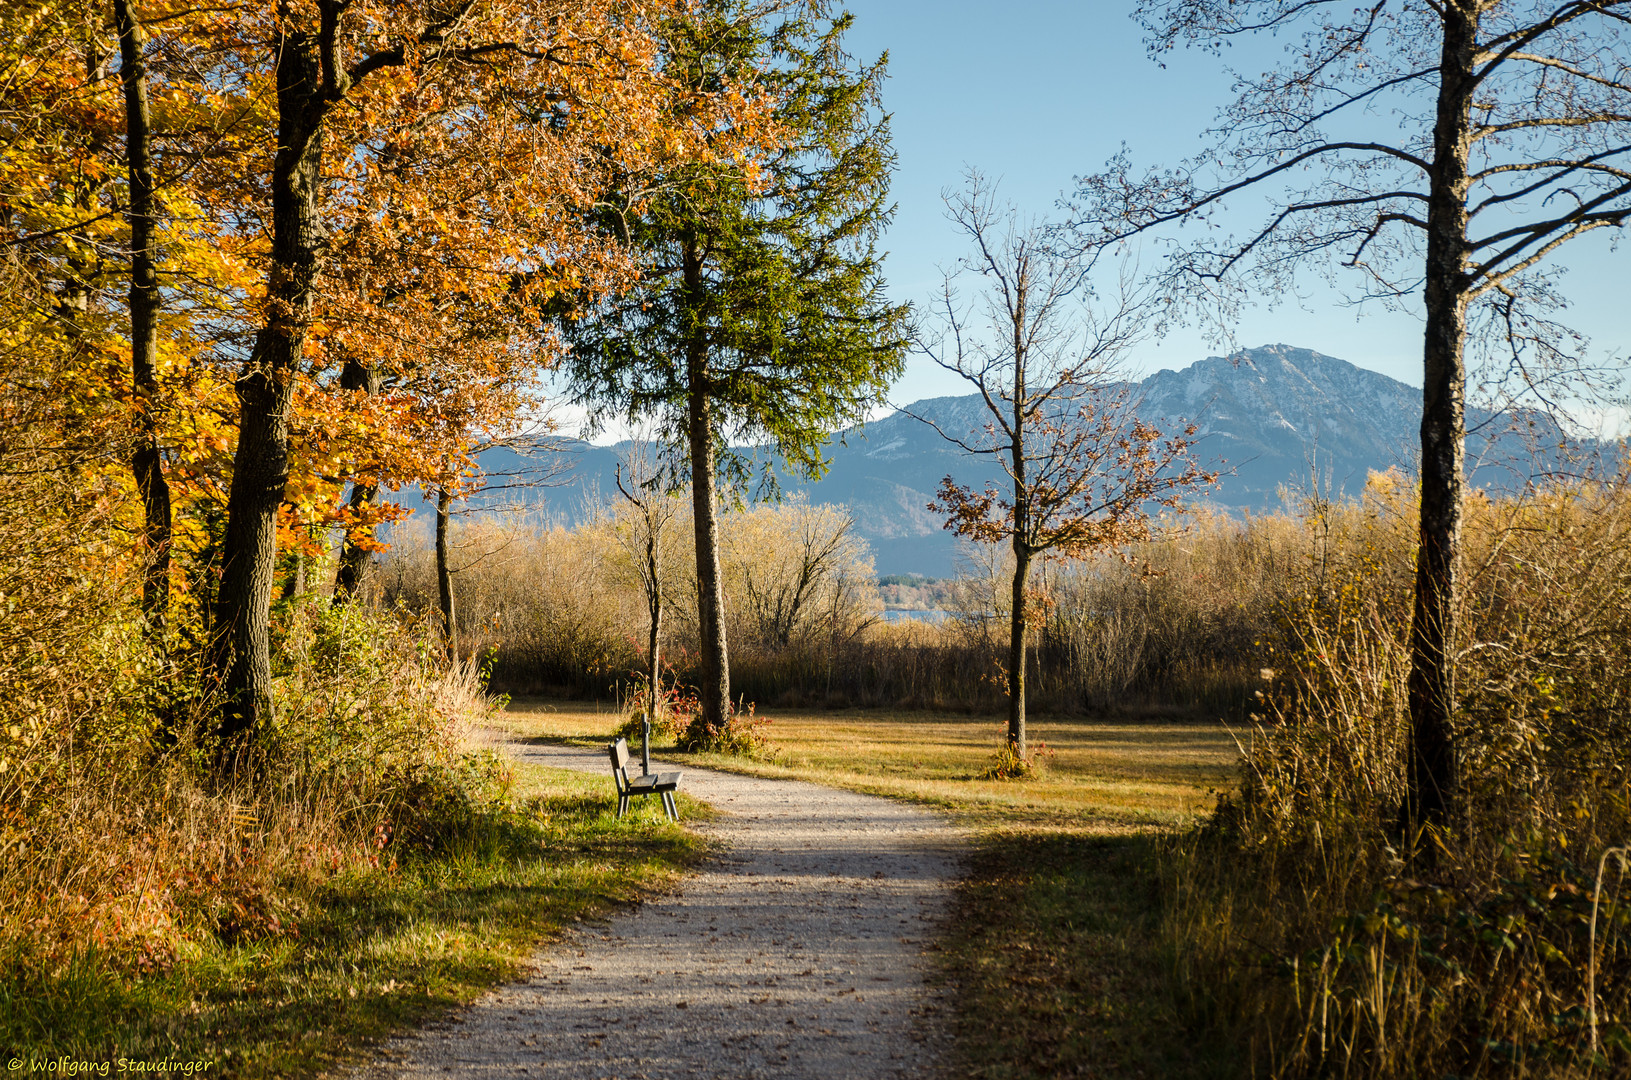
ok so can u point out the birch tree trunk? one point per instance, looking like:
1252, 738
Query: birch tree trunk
654, 599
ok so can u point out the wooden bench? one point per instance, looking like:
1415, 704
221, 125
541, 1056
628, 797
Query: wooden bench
663, 784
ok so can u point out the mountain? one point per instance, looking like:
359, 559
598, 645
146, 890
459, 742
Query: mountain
1266, 418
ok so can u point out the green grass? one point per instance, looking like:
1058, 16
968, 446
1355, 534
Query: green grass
1055, 955
1053, 951
375, 953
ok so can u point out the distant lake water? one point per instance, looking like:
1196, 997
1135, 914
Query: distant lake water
928, 615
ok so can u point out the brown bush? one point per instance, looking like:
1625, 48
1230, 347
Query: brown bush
1163, 626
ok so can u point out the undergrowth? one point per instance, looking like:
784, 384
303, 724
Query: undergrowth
374, 951
369, 871
678, 722
1321, 938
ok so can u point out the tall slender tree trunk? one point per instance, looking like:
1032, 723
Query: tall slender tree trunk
654, 601
147, 463
715, 691
1022, 525
364, 494
444, 576
1433, 774
265, 390
1017, 627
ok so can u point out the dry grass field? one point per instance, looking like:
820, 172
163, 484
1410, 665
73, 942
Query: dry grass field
1053, 951
1104, 774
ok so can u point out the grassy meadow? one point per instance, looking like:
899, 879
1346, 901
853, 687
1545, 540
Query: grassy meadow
1053, 949
1113, 775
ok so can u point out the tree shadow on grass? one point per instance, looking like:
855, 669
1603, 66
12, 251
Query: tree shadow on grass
1054, 958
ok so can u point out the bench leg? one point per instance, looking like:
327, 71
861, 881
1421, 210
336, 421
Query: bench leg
670, 807
622, 806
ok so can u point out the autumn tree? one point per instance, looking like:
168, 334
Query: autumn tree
1083, 472
1440, 149
759, 317
84, 204
500, 82
146, 459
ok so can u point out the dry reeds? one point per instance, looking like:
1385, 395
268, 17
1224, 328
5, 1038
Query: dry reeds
559, 610
1306, 922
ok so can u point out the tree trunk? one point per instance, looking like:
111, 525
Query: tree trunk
1016, 653
444, 577
654, 600
147, 463
1022, 527
265, 390
1433, 775
715, 691
364, 494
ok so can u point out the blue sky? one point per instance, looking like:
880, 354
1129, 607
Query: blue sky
1035, 92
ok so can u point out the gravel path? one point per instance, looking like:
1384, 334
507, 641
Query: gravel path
797, 952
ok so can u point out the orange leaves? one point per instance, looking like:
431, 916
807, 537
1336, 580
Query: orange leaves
461, 164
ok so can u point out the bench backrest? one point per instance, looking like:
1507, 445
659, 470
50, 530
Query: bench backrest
619, 752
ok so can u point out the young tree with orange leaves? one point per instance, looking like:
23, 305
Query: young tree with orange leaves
1084, 472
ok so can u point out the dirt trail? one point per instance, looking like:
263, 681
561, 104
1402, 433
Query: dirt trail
798, 952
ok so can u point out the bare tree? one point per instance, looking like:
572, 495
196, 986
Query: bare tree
1083, 470
1510, 136
654, 509
787, 582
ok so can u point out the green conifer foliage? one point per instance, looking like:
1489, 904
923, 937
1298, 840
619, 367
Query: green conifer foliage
760, 319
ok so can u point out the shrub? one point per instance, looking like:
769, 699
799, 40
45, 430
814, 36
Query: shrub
675, 709
740, 733
1006, 764
116, 845
1329, 941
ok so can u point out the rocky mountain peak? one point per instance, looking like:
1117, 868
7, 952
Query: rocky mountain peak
1268, 418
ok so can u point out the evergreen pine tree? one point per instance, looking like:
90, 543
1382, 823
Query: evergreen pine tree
760, 318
